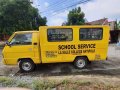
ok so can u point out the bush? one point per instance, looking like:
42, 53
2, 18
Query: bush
5, 81
43, 85
23, 85
2, 44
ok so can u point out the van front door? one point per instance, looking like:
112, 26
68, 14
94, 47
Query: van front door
20, 47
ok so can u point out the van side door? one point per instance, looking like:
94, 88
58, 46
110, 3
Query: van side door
53, 43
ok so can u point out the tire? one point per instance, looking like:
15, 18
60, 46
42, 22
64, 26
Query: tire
80, 62
26, 65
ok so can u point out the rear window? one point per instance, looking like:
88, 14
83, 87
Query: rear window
91, 33
58, 34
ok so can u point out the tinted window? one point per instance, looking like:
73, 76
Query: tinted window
59, 35
22, 39
91, 33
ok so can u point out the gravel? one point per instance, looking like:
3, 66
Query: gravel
0, 55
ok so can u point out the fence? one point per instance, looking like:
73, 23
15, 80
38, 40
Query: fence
4, 37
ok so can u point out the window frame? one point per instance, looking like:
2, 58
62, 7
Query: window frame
21, 44
60, 40
91, 39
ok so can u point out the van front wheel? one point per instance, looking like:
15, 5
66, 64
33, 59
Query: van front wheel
26, 65
80, 62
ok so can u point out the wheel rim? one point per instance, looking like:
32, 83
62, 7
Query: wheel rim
80, 63
26, 66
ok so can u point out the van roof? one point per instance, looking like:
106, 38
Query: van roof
26, 31
73, 26
33, 31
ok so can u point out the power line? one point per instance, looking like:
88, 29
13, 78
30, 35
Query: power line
54, 4
58, 5
70, 6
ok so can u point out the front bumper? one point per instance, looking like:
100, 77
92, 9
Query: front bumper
3, 61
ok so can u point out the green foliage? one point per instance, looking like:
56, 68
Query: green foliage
117, 25
43, 85
19, 15
76, 17
64, 84
23, 85
5, 81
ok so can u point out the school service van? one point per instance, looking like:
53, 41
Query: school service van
55, 44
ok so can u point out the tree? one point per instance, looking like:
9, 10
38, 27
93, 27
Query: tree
117, 25
75, 17
19, 15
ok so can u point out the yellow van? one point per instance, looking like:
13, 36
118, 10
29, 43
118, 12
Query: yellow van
55, 44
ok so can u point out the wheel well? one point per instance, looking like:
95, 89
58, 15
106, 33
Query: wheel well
25, 59
81, 56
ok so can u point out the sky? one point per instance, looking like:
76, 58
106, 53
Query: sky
56, 10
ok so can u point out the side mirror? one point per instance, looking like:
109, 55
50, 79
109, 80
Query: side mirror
7, 43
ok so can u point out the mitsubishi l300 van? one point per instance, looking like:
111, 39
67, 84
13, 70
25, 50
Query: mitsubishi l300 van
55, 44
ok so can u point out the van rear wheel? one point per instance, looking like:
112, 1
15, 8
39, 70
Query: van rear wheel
26, 65
80, 62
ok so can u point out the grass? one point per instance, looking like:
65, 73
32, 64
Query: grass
6, 82
73, 85
23, 84
43, 85
65, 84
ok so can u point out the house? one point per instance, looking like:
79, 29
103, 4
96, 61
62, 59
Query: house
103, 21
112, 25
114, 34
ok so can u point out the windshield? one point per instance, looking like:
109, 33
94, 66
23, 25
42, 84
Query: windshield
22, 39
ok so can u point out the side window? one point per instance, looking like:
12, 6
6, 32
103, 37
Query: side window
91, 33
58, 34
22, 39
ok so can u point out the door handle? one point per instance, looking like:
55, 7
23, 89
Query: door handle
34, 43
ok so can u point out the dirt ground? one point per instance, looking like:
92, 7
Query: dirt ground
111, 67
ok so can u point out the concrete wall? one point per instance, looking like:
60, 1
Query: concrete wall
112, 25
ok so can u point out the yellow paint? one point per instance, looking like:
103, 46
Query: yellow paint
38, 52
